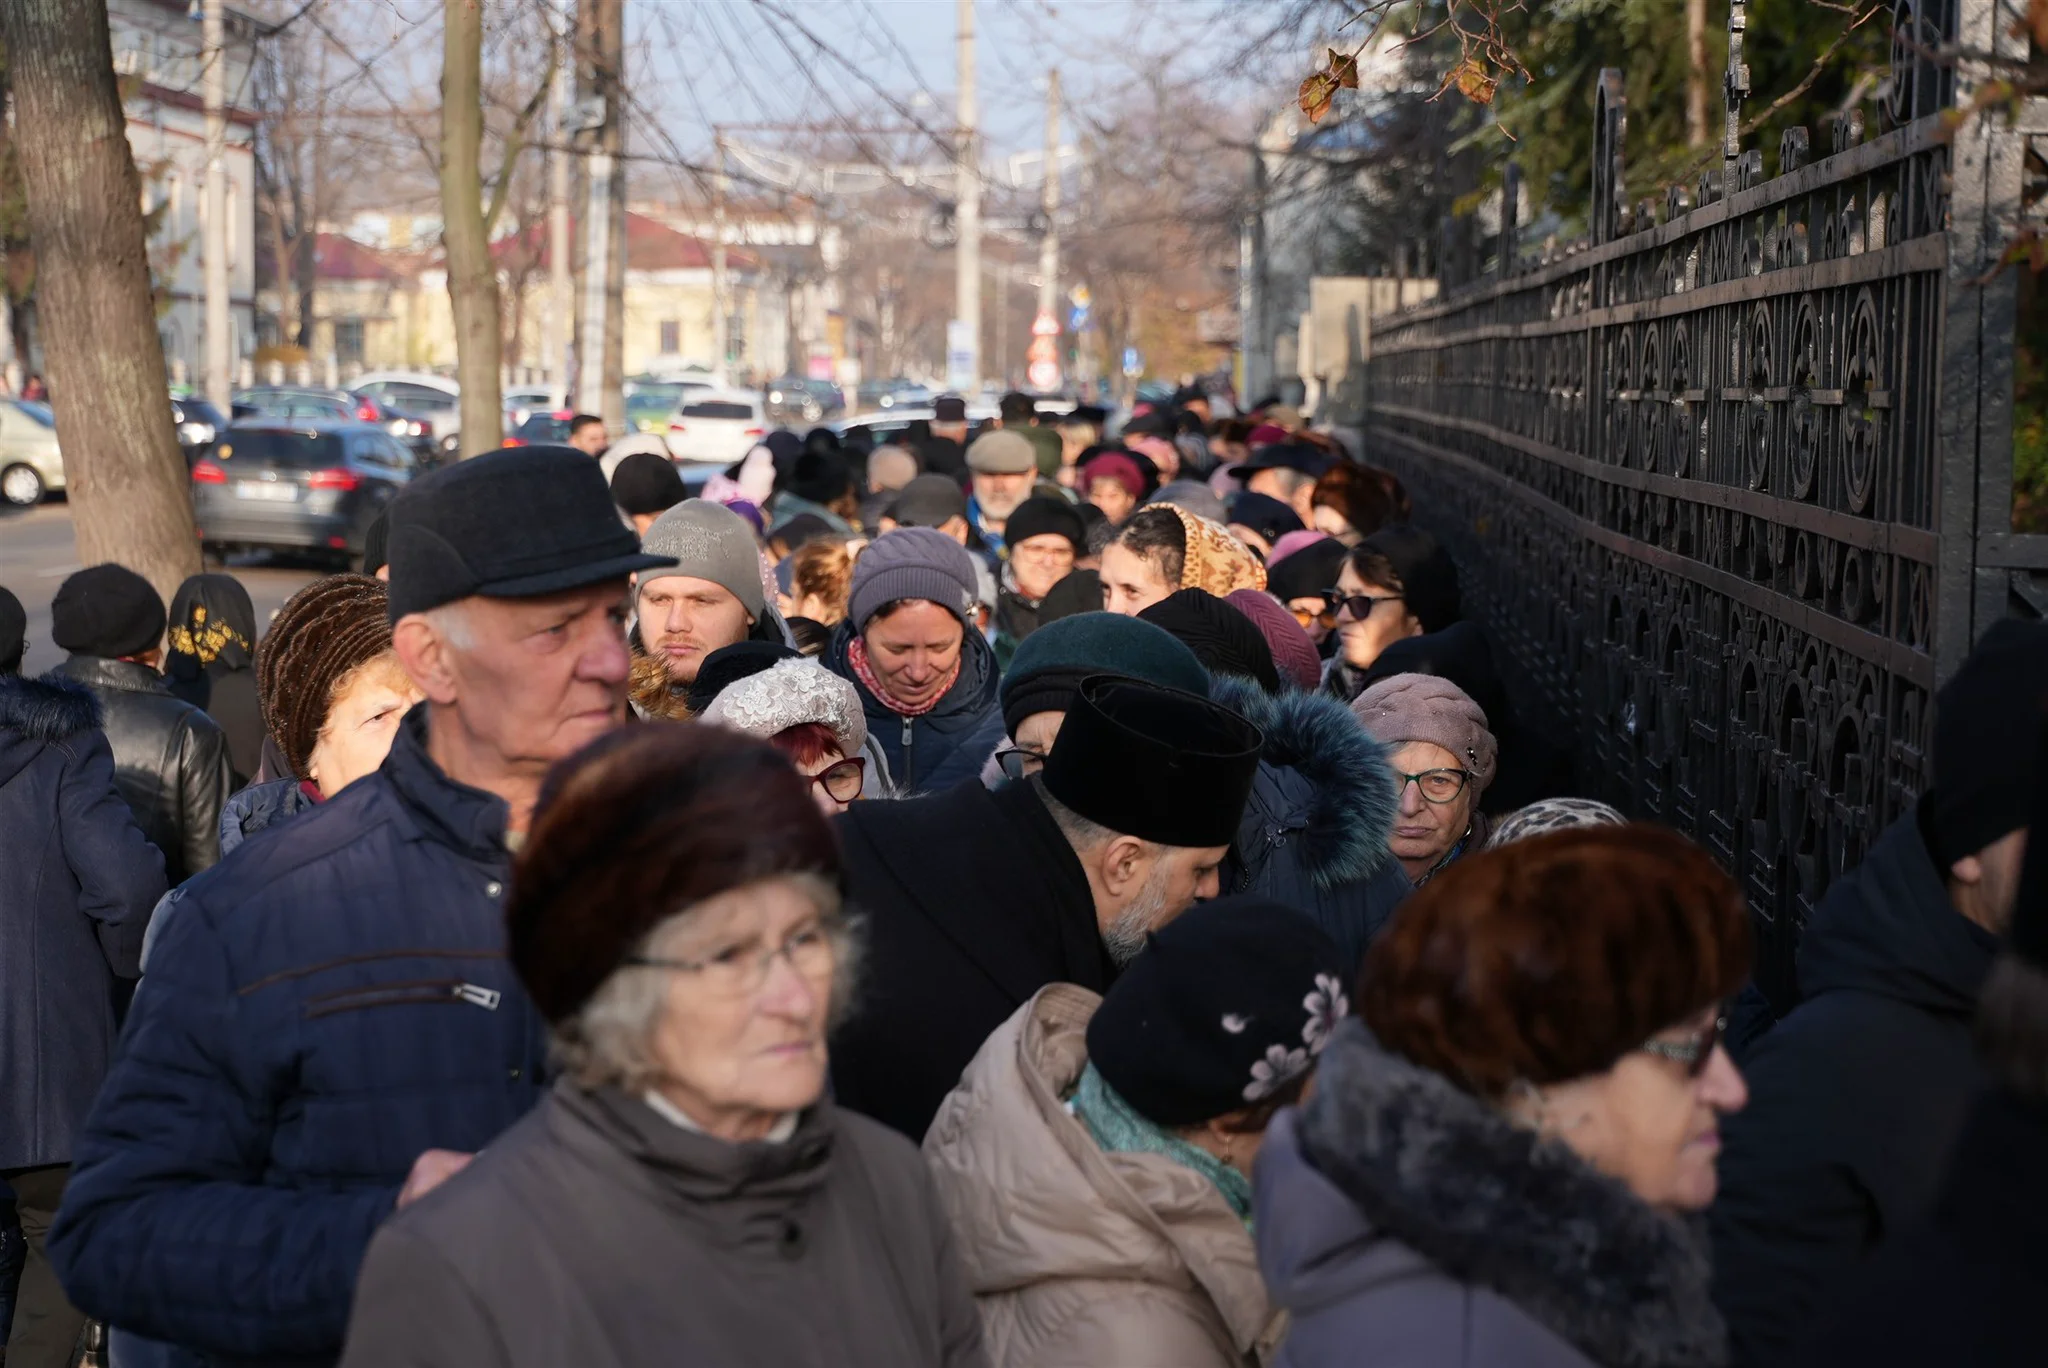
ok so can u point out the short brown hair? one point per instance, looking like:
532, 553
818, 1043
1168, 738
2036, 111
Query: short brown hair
1552, 958
823, 568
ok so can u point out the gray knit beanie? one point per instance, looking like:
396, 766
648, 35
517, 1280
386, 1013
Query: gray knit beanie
911, 563
1416, 707
709, 542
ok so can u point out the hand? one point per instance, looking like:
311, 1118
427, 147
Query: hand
433, 1168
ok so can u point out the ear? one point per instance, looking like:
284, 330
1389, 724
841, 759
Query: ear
425, 655
1969, 870
1123, 864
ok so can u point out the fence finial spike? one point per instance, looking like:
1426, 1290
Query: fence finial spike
1735, 90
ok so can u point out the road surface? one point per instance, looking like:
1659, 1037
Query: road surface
37, 551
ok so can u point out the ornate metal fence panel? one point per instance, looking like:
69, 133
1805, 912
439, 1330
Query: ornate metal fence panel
1715, 479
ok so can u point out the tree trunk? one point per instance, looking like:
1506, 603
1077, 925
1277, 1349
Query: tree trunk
472, 278
1697, 85
130, 497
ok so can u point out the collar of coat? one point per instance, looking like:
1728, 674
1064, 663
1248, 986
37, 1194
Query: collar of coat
1349, 816
1493, 1203
47, 710
468, 820
99, 672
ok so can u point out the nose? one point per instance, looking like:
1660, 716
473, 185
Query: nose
606, 659
1209, 885
1411, 798
785, 993
1721, 1085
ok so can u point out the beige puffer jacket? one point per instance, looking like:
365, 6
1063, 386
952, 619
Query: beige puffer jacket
1080, 1259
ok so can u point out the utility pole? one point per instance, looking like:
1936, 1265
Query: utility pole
1044, 371
721, 306
1253, 344
559, 349
967, 256
220, 383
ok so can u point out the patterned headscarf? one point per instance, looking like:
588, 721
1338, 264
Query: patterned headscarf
212, 628
1215, 561
1553, 814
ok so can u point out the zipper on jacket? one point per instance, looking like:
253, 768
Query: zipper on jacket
416, 992
909, 768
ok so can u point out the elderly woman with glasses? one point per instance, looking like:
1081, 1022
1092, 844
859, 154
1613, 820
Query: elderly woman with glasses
1504, 1146
686, 1193
1443, 758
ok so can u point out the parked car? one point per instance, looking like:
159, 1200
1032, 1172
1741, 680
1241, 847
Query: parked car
717, 427
30, 464
651, 403
811, 401
523, 401
198, 424
293, 404
423, 395
552, 427
891, 426
888, 394
313, 485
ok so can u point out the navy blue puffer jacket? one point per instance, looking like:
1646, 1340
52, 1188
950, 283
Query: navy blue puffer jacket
946, 745
327, 1002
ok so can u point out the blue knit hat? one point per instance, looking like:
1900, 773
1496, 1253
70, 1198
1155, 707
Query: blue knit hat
912, 563
1051, 663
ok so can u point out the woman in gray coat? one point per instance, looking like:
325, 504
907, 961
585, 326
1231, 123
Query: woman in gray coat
1502, 1149
686, 1194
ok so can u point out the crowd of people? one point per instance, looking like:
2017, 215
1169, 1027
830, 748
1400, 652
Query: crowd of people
1027, 897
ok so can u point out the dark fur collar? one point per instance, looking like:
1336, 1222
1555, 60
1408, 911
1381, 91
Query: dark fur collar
1491, 1203
1351, 816
47, 709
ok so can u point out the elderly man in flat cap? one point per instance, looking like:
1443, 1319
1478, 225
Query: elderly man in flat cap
976, 899
329, 1027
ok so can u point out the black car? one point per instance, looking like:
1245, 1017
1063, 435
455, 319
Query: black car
295, 403
198, 424
308, 486
793, 398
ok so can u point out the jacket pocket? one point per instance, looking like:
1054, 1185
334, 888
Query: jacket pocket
407, 992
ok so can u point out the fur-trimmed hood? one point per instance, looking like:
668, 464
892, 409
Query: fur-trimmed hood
47, 709
1344, 812
1442, 1186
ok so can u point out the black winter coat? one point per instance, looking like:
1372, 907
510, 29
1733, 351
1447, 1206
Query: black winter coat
1971, 1286
78, 883
1854, 1098
327, 1002
974, 901
170, 760
1315, 830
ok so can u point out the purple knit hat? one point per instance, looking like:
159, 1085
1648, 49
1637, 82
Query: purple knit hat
1292, 650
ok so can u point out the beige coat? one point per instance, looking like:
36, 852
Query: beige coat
1080, 1259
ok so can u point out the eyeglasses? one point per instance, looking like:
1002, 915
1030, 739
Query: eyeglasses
1360, 606
1309, 617
1017, 762
1060, 554
1435, 786
740, 970
843, 779
1694, 1051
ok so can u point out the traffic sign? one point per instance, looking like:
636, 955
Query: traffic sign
1134, 364
1044, 375
1045, 325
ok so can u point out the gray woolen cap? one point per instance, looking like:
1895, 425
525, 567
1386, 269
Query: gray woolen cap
911, 563
709, 542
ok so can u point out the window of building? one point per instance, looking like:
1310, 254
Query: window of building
671, 337
348, 341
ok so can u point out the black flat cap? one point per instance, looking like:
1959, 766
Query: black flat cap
949, 408
1156, 763
517, 523
929, 501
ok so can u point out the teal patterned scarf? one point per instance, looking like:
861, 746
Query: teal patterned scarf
1119, 1130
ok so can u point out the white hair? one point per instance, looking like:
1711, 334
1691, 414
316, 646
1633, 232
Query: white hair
451, 623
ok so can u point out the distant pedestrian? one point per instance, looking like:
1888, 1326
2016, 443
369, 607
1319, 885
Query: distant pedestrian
587, 434
170, 759
1349, 503
1112, 482
33, 388
645, 486
943, 450
1443, 758
1501, 1156
1045, 537
820, 580
926, 675
1304, 577
79, 882
976, 899
1397, 583
211, 663
1258, 521
706, 592
330, 1028
1096, 1159
1861, 1090
687, 1192
1004, 465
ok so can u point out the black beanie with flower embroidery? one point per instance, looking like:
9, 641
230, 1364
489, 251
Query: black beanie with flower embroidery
1227, 1004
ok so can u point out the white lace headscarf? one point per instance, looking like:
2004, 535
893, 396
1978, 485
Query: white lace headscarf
788, 694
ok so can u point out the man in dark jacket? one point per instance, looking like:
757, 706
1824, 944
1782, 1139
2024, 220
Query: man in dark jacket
80, 880
329, 1026
170, 759
1857, 1094
976, 899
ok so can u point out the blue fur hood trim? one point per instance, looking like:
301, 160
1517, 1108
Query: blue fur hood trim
1350, 815
47, 710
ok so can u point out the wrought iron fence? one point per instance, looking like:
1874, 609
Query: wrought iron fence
1730, 483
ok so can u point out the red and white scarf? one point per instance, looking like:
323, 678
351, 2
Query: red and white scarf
857, 657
